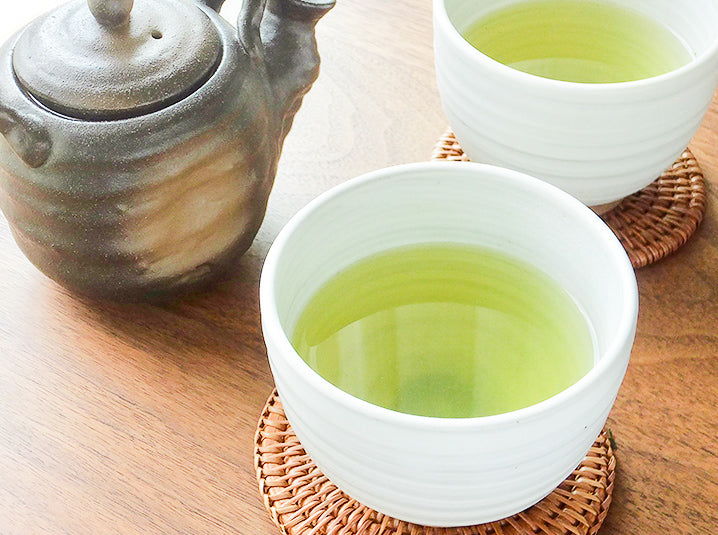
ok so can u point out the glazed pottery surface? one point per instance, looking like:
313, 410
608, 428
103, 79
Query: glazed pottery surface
148, 184
460, 471
598, 141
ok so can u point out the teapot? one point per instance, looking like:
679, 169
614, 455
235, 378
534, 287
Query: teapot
140, 140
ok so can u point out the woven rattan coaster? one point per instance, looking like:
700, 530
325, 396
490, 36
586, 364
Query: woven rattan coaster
651, 223
302, 501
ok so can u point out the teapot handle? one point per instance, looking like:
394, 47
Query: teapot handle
26, 136
248, 21
216, 5
250, 17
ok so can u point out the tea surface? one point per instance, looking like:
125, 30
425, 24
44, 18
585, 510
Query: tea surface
578, 41
445, 330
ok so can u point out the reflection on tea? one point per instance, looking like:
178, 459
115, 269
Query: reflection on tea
578, 41
445, 330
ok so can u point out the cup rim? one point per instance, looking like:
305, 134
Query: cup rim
614, 355
442, 20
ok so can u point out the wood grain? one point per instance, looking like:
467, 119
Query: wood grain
138, 419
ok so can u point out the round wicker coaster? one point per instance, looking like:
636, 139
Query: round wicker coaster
302, 501
651, 223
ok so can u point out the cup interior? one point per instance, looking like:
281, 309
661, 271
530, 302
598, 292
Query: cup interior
693, 22
464, 203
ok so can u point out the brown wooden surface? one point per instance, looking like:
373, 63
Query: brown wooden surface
138, 419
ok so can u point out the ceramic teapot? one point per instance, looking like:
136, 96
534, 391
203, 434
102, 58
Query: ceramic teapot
141, 140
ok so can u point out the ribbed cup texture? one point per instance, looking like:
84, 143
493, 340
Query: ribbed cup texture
301, 499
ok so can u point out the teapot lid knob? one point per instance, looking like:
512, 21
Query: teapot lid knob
111, 13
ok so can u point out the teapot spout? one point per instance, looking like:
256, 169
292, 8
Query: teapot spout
291, 55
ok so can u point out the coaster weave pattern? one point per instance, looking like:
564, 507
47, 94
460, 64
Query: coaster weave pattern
651, 223
302, 501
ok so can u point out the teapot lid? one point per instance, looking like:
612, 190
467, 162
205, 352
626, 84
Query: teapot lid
108, 59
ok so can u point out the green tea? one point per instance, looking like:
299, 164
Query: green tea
578, 41
445, 330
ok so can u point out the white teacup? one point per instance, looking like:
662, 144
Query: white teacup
598, 141
448, 471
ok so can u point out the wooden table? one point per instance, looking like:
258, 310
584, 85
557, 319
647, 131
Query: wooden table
138, 419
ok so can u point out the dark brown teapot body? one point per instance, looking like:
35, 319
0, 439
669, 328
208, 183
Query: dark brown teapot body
131, 197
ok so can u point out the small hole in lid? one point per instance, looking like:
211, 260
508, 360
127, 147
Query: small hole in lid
156, 34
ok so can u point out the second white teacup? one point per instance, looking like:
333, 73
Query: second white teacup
598, 141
